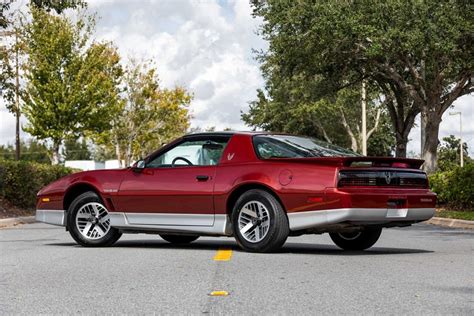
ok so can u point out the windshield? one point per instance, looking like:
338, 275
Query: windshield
286, 146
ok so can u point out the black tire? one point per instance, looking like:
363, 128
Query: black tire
278, 228
357, 241
179, 239
108, 239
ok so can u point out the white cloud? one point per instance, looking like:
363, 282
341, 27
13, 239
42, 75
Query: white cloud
205, 46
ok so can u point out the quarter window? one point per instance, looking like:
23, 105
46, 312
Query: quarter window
287, 146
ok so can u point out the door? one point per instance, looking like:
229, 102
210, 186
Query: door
175, 187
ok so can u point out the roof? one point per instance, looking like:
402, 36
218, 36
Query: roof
225, 133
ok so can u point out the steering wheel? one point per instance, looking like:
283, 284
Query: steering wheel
183, 159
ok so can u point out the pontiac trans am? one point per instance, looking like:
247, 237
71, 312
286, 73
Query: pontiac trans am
258, 187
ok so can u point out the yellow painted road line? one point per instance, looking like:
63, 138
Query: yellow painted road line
223, 255
219, 293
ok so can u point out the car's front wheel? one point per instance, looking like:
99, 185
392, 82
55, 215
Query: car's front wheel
88, 222
360, 240
179, 239
259, 222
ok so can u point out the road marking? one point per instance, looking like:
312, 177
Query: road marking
219, 293
223, 255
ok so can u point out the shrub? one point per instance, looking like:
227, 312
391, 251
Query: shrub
455, 187
21, 180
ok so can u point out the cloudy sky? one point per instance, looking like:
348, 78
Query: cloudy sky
205, 46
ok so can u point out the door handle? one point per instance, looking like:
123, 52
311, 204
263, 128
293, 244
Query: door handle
202, 178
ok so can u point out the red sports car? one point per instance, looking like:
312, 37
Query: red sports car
258, 187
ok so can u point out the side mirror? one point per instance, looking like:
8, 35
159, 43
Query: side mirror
139, 166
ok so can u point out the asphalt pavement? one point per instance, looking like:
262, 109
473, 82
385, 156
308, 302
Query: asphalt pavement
421, 269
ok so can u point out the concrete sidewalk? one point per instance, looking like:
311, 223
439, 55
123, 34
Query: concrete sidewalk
13, 221
450, 222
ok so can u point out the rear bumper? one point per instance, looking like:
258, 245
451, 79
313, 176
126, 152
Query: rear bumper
357, 216
53, 217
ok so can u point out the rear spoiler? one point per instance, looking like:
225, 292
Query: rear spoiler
359, 161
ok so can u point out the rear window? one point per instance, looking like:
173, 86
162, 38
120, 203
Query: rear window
287, 146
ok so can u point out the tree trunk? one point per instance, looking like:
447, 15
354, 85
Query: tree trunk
17, 134
56, 157
118, 152
17, 100
430, 143
401, 146
128, 154
423, 121
354, 143
402, 115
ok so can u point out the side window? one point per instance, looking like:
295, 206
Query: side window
272, 148
191, 153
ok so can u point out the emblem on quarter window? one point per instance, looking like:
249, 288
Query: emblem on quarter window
230, 156
388, 177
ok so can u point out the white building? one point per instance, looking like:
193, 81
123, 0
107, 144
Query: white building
91, 164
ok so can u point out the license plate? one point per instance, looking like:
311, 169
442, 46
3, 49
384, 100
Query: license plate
397, 212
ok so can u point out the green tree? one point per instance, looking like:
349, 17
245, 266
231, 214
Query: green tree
334, 119
48, 5
419, 54
449, 153
148, 115
31, 150
58, 5
71, 88
199, 129
4, 7
12, 56
76, 150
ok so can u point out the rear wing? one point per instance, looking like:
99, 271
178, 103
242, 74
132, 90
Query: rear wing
359, 161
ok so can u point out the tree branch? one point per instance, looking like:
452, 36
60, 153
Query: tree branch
323, 130
419, 81
462, 87
377, 120
354, 145
391, 74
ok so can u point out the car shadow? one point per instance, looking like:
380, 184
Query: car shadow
289, 247
320, 249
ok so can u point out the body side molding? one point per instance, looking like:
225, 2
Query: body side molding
221, 225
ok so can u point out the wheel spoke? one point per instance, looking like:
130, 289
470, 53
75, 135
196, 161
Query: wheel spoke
257, 233
99, 230
96, 211
244, 229
249, 212
104, 219
87, 228
83, 217
256, 209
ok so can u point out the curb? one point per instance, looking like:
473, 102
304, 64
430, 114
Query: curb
9, 222
450, 222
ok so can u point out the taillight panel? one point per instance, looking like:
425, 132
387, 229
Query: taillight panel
382, 178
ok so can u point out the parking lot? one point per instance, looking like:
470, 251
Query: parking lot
421, 269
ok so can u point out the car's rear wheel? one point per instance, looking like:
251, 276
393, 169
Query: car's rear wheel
88, 222
360, 240
259, 222
179, 239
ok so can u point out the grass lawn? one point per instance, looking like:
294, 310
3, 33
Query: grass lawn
466, 215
